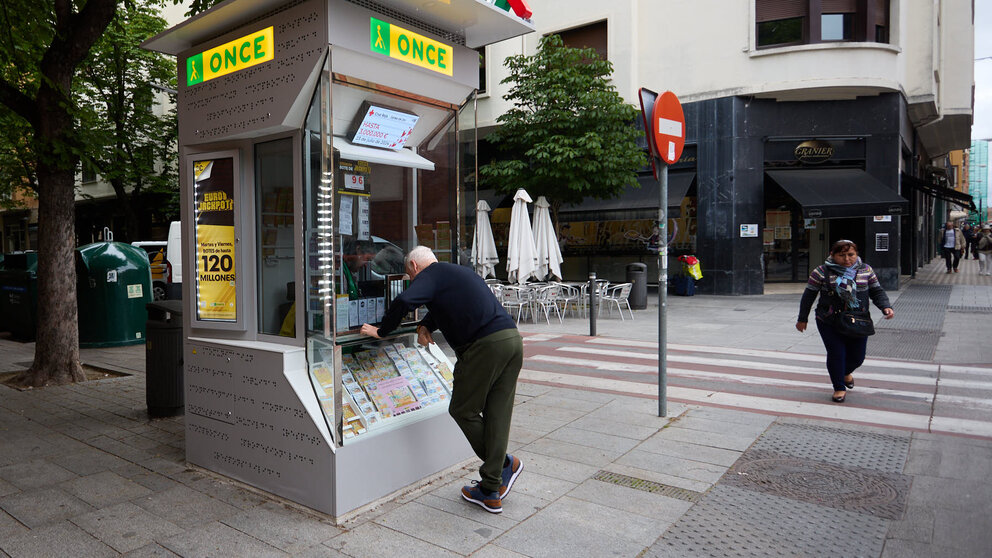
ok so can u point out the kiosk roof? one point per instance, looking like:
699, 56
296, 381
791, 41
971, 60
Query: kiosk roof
478, 22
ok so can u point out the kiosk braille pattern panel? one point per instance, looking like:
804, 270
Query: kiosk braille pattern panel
258, 98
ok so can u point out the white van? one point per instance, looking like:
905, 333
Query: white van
174, 252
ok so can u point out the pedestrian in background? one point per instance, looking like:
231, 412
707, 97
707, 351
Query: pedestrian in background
490, 355
984, 247
844, 283
969, 235
952, 247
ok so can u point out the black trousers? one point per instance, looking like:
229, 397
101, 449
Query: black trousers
949, 254
844, 354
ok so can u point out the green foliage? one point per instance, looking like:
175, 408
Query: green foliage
130, 140
569, 133
197, 6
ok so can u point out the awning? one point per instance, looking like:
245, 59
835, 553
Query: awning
828, 193
941, 192
402, 158
641, 198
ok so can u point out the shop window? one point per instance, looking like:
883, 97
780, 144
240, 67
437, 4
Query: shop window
276, 247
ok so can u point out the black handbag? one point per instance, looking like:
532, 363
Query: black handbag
854, 323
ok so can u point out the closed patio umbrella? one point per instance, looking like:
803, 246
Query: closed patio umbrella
546, 242
521, 254
484, 257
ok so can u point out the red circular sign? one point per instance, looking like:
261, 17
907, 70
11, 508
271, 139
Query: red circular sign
668, 122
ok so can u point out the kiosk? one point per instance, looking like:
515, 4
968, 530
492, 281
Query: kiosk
319, 141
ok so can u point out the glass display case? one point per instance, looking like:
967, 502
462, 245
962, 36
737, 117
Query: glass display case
368, 205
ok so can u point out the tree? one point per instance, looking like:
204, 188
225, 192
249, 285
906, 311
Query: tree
128, 144
37, 67
569, 133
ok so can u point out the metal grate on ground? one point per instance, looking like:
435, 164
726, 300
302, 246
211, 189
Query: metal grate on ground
732, 521
970, 309
839, 446
647, 486
920, 308
902, 344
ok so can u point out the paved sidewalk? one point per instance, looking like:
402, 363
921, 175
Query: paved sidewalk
84, 472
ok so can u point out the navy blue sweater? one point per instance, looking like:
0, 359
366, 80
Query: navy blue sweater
459, 302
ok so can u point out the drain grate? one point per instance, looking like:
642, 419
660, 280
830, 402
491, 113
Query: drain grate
839, 446
824, 484
730, 521
971, 309
903, 344
920, 308
647, 486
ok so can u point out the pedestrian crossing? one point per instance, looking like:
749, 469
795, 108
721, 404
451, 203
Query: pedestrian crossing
890, 393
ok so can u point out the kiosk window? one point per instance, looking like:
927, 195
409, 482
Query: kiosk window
275, 222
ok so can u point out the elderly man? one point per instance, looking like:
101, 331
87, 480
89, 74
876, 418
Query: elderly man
490, 354
952, 246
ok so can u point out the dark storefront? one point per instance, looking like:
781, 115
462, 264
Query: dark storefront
778, 182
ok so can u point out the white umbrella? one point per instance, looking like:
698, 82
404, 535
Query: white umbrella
521, 254
484, 257
548, 252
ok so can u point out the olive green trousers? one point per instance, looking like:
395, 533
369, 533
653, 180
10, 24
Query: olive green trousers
485, 382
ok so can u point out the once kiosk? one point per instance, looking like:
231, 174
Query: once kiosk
319, 141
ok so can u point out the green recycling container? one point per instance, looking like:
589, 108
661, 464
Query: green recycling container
114, 284
19, 295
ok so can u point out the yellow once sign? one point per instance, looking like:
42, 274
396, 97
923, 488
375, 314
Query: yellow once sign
232, 56
413, 48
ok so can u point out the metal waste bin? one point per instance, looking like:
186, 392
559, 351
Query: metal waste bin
164, 358
637, 276
19, 295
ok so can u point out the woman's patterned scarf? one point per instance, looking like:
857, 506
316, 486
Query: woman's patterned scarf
845, 286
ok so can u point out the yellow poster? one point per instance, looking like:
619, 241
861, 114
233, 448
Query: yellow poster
216, 280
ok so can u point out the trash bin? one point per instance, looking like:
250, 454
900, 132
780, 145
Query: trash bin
114, 284
683, 285
19, 295
637, 276
164, 358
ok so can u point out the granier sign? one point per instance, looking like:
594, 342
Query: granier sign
405, 45
229, 57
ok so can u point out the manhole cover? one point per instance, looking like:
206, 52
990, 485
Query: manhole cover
861, 490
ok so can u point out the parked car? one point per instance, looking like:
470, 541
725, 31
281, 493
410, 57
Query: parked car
161, 272
166, 260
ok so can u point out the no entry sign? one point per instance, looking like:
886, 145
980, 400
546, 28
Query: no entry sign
668, 124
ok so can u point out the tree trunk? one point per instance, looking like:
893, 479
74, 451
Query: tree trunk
56, 355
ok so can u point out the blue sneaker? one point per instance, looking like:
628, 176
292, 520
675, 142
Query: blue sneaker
510, 473
490, 501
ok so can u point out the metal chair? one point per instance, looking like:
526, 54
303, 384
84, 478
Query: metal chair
515, 297
568, 295
618, 295
546, 298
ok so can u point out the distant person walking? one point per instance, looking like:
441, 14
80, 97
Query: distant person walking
952, 247
984, 247
490, 355
844, 283
969, 235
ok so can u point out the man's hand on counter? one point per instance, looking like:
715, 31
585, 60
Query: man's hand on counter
370, 330
424, 336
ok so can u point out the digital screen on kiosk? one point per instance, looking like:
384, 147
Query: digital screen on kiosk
385, 127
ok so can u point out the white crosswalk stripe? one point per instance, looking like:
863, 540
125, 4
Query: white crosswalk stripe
901, 394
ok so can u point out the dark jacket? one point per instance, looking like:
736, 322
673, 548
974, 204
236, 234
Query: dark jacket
459, 302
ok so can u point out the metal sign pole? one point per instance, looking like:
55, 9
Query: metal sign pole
662, 289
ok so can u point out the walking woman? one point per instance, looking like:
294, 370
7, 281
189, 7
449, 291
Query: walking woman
843, 283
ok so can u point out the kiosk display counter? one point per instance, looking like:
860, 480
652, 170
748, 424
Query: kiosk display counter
320, 141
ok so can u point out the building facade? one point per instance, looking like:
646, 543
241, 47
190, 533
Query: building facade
978, 180
806, 121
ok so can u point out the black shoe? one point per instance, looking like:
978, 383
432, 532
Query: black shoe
839, 399
849, 385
